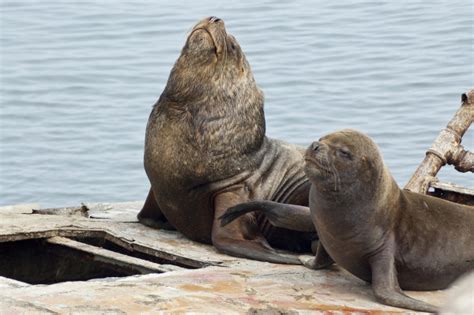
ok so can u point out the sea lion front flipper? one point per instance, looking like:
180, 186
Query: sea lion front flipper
242, 237
292, 217
151, 215
385, 284
321, 260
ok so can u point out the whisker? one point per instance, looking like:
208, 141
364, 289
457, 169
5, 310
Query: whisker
329, 169
224, 57
336, 179
335, 176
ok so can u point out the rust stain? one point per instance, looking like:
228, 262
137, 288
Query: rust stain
227, 287
215, 287
250, 300
193, 287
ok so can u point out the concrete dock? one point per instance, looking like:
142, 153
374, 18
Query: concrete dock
155, 271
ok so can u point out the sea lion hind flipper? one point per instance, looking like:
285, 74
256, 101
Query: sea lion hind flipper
242, 237
257, 249
292, 217
321, 260
151, 215
386, 288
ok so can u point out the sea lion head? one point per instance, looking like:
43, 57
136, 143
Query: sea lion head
344, 161
211, 63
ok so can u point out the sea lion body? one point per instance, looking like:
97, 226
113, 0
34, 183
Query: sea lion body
393, 238
433, 239
186, 197
206, 150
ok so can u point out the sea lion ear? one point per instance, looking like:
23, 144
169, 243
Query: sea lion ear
368, 161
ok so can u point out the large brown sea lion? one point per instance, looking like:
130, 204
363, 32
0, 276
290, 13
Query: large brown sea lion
206, 150
393, 238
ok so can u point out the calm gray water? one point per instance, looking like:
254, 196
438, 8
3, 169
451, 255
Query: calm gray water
78, 80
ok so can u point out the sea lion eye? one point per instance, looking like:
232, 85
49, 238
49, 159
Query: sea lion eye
345, 154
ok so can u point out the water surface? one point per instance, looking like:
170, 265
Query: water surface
78, 80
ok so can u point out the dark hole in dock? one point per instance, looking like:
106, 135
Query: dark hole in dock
452, 196
151, 255
37, 262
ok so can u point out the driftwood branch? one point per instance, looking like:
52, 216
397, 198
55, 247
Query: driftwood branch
68, 211
447, 149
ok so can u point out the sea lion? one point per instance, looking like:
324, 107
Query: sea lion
393, 238
206, 150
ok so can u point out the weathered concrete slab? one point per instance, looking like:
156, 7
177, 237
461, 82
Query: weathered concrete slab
226, 285
212, 289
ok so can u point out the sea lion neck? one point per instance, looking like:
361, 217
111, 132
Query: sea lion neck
229, 101
193, 86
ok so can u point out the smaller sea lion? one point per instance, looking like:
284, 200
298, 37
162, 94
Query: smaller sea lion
393, 238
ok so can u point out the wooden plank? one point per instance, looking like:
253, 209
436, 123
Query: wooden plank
113, 258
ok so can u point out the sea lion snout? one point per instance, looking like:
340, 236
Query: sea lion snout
316, 160
210, 24
209, 21
315, 150
207, 35
214, 19
315, 146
